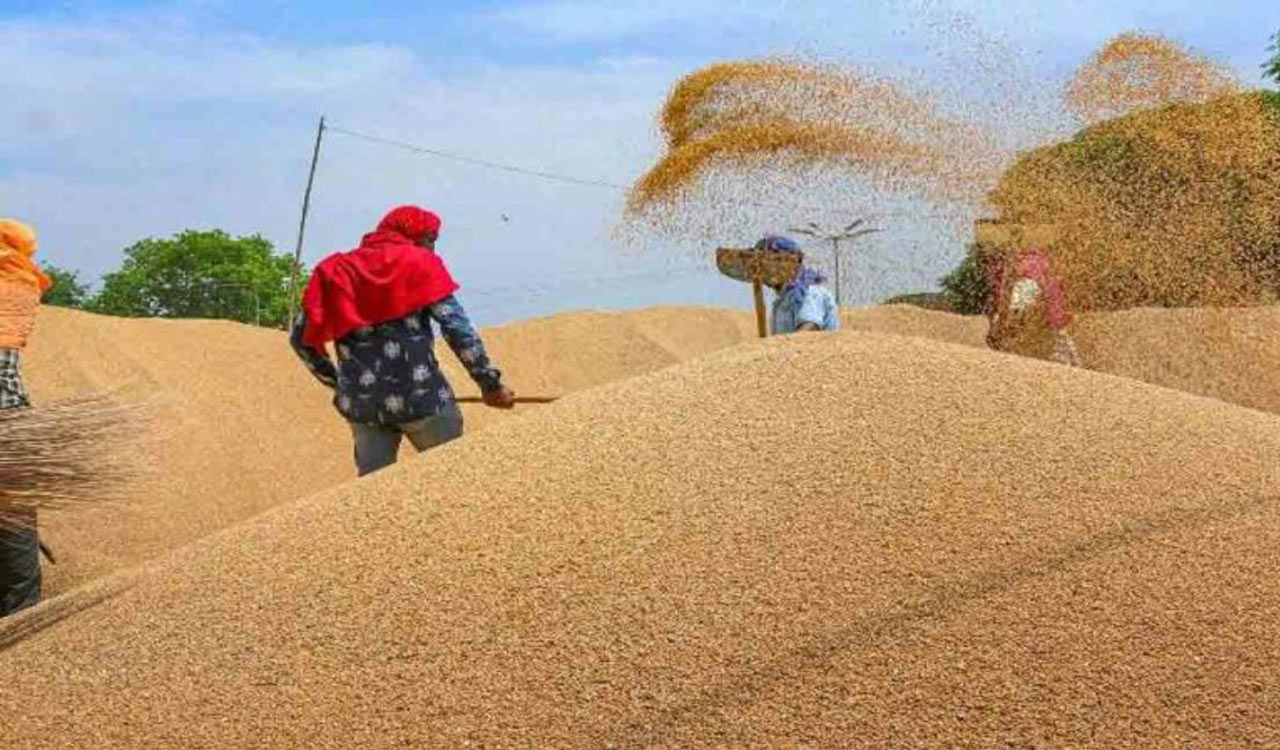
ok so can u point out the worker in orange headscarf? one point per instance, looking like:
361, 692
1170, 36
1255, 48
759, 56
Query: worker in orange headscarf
21, 286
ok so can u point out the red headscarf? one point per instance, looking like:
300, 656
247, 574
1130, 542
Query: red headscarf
1028, 264
387, 277
1037, 267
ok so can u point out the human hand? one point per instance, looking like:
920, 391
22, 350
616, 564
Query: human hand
501, 397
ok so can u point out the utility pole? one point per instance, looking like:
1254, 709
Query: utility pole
850, 232
302, 227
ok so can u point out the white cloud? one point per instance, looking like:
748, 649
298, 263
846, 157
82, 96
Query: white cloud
584, 20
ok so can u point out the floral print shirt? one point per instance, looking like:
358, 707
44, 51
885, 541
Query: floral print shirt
388, 373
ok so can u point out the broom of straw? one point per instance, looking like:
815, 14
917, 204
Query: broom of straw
66, 454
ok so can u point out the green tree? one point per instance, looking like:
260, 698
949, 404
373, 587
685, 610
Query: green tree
965, 288
200, 274
1271, 67
67, 290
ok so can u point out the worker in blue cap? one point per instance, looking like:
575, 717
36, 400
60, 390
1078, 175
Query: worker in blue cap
804, 303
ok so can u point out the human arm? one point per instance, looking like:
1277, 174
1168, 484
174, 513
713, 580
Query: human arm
462, 338
317, 362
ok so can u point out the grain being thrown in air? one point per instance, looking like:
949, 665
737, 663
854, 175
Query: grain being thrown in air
771, 123
1175, 206
1169, 198
995, 549
1140, 71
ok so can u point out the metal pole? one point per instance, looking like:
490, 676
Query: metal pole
836, 251
302, 227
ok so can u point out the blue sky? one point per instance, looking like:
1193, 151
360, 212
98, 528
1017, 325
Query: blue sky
127, 119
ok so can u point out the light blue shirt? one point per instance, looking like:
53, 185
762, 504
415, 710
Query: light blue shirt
818, 307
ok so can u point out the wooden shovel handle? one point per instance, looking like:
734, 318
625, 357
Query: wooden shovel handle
518, 399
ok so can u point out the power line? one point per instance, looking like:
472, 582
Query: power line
487, 295
479, 162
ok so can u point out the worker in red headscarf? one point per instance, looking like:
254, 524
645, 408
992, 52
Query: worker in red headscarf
1027, 307
377, 303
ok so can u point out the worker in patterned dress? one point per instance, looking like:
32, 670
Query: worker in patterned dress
21, 285
377, 303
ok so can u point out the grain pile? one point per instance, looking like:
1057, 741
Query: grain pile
907, 320
1068, 559
1229, 354
228, 447
240, 427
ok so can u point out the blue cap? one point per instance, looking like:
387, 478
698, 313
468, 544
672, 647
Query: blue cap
778, 244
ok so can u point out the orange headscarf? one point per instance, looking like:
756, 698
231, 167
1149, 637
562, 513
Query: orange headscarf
17, 246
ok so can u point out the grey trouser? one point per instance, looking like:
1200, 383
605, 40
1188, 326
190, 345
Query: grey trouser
376, 446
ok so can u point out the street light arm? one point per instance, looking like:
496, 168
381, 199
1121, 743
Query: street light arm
859, 233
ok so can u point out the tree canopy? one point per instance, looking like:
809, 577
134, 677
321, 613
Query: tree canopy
200, 274
67, 290
1271, 68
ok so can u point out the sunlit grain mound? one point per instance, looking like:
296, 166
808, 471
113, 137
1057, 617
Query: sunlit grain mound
907, 320
240, 427
1177, 206
1138, 71
852, 540
1227, 354
1224, 353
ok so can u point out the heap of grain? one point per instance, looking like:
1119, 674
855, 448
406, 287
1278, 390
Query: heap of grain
966, 548
239, 427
